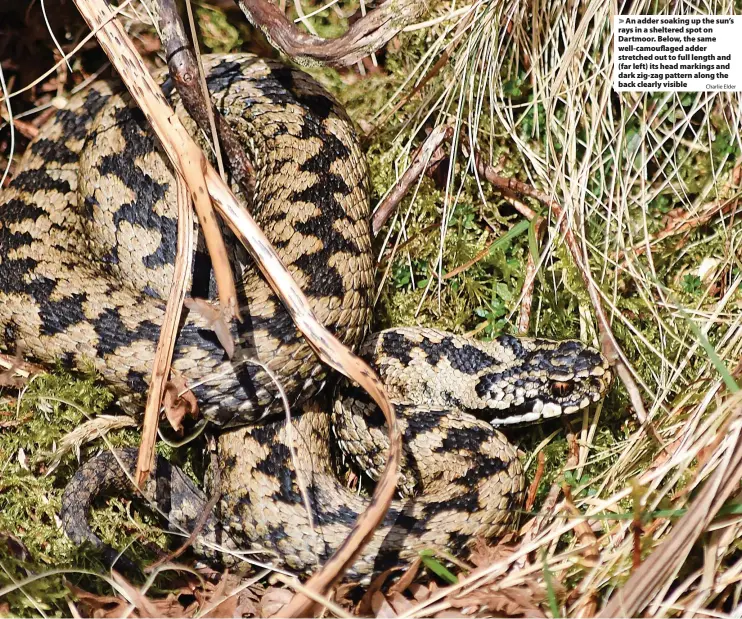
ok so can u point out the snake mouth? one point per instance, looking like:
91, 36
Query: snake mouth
527, 412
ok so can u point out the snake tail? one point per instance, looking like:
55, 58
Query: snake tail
169, 490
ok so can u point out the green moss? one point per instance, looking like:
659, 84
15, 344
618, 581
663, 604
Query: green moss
30, 495
31, 492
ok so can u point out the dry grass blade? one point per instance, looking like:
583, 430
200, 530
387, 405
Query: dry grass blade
608, 342
168, 335
665, 562
9, 114
203, 181
92, 429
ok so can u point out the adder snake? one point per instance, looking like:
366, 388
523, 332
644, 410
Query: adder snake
87, 245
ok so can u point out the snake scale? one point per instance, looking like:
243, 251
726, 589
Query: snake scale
87, 246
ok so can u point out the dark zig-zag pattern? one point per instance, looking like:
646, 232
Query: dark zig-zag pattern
113, 333
148, 192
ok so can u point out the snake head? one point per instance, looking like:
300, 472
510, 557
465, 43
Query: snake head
543, 379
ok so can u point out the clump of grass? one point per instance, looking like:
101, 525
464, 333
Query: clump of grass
650, 184
36, 420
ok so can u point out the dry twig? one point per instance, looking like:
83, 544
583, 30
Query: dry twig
168, 335
187, 74
364, 37
537, 477
421, 159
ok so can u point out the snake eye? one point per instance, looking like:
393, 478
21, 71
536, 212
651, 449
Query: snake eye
561, 389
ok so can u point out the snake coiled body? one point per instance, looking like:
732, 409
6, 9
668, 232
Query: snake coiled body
87, 245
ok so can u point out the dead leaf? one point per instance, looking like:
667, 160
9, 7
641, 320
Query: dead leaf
17, 373
510, 602
145, 608
95, 605
399, 603
380, 606
341, 596
518, 601
273, 600
419, 592
226, 604
365, 606
15, 546
483, 554
178, 406
171, 607
246, 604
215, 321
110, 606
406, 579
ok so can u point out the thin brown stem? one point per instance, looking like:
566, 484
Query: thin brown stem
364, 37
168, 335
190, 82
424, 156
537, 477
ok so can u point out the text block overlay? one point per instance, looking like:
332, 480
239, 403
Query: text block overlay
677, 52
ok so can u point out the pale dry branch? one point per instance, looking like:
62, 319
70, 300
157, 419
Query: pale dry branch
168, 335
421, 159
